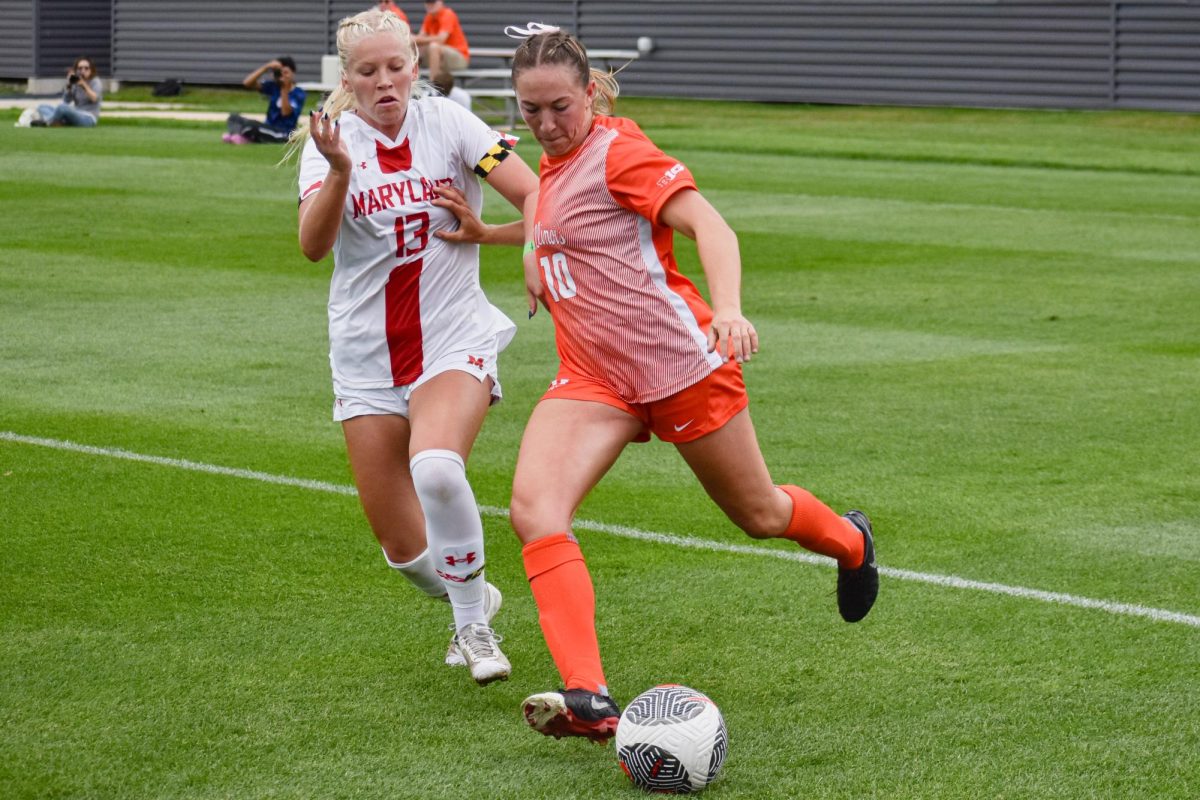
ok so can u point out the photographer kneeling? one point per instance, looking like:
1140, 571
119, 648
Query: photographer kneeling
80, 104
284, 102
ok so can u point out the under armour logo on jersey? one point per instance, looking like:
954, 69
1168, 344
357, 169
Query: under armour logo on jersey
394, 159
557, 382
469, 558
362, 165
475, 361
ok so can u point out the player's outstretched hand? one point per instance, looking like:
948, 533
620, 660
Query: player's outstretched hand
471, 229
327, 136
732, 336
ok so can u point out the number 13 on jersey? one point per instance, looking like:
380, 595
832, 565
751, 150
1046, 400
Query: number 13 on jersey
558, 277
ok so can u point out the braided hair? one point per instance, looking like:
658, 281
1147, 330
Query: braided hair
559, 48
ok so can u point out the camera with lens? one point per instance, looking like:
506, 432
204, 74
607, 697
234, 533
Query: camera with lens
278, 73
73, 78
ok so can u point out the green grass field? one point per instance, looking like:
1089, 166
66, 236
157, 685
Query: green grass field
982, 327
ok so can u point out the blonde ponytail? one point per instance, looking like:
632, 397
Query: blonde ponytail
607, 91
352, 30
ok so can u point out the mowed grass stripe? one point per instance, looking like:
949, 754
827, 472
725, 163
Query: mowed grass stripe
1126, 236
675, 540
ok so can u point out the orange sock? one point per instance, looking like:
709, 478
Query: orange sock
566, 601
815, 526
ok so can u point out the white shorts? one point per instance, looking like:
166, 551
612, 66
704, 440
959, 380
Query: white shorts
480, 362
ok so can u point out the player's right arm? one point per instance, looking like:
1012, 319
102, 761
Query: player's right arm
321, 213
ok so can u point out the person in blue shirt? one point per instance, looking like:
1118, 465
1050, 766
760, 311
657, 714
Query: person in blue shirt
285, 100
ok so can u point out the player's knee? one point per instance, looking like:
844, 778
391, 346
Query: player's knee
758, 520
521, 514
438, 475
531, 515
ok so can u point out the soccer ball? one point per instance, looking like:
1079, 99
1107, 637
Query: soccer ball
672, 739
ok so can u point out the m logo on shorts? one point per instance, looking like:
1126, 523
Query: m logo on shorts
475, 361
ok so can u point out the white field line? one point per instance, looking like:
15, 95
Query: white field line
676, 540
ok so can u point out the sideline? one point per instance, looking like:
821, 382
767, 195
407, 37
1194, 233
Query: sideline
676, 540
118, 109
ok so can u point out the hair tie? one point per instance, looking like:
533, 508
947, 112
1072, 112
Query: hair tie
530, 29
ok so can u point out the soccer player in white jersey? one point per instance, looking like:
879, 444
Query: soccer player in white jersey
640, 352
413, 340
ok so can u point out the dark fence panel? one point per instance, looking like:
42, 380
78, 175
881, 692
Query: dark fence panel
217, 41
68, 29
17, 51
1085, 54
994, 54
1157, 58
1034, 55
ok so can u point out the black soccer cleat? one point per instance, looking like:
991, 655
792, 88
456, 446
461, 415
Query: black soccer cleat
573, 712
857, 588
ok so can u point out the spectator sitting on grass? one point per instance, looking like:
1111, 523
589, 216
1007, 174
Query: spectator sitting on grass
80, 104
285, 101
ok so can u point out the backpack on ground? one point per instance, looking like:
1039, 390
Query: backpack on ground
171, 87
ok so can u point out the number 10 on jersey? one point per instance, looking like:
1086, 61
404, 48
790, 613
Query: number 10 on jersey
558, 277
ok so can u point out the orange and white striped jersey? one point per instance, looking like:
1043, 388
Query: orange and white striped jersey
623, 313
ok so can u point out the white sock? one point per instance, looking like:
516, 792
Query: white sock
420, 573
453, 530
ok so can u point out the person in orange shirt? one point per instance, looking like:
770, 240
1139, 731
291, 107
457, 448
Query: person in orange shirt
640, 353
388, 5
441, 41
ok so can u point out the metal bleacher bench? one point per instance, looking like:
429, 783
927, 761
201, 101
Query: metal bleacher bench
490, 87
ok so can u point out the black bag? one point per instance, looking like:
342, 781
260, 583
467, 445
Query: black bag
168, 88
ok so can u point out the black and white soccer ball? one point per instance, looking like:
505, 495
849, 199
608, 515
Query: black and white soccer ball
672, 739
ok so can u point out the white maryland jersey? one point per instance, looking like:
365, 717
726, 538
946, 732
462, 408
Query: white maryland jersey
400, 297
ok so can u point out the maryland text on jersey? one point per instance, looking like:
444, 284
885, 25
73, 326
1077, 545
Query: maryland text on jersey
394, 194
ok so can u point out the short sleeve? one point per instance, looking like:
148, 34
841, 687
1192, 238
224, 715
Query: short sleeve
313, 169
479, 148
641, 177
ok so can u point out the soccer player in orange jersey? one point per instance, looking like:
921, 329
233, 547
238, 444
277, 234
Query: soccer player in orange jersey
640, 353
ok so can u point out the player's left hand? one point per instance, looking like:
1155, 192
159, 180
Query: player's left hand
471, 229
732, 336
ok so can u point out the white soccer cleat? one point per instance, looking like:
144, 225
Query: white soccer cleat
491, 604
480, 646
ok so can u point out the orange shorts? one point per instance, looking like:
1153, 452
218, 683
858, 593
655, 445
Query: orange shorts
685, 416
